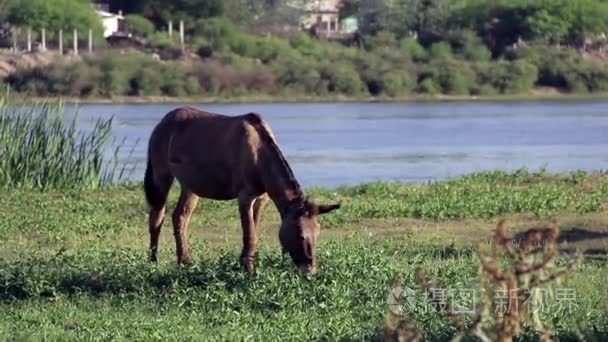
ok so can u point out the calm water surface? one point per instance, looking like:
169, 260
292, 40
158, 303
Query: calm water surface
348, 143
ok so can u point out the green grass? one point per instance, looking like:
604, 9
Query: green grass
73, 262
115, 294
485, 194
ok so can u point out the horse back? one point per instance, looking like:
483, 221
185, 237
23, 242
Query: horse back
214, 155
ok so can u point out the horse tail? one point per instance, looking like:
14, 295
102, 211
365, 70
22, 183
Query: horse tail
155, 197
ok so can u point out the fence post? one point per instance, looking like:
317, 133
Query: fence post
75, 42
14, 34
90, 41
181, 35
29, 39
170, 29
61, 42
43, 39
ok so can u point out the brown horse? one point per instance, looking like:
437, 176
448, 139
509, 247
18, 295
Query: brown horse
222, 158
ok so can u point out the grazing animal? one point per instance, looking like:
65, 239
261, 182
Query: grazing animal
222, 158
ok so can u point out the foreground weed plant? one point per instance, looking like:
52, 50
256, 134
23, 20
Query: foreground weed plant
40, 149
511, 289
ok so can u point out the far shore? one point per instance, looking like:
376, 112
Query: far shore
534, 95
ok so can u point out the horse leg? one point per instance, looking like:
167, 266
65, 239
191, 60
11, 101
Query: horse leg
156, 215
258, 207
250, 239
181, 217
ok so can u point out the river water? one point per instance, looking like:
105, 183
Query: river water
331, 144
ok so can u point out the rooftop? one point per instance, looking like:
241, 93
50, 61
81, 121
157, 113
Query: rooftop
323, 6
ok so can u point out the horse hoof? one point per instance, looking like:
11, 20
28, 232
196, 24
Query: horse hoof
184, 261
248, 265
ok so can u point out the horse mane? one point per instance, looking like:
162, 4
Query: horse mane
268, 139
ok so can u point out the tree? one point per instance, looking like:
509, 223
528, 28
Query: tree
590, 16
128, 6
373, 16
3, 9
548, 27
139, 25
349, 8
428, 18
502, 22
265, 13
54, 15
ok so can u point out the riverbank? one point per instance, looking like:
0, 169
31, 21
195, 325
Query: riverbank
73, 262
537, 95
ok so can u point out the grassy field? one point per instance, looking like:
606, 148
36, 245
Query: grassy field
73, 263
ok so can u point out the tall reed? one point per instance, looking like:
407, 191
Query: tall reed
40, 148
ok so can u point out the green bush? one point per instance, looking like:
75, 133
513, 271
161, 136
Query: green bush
146, 82
597, 78
299, 75
441, 50
414, 49
396, 83
453, 77
379, 75
79, 80
219, 79
556, 68
161, 40
115, 75
585, 77
82, 80
467, 44
221, 34
342, 79
428, 86
306, 45
139, 25
563, 69
245, 46
208, 76
381, 40
191, 86
272, 48
509, 77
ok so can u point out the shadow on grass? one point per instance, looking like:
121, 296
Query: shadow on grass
573, 238
576, 234
72, 275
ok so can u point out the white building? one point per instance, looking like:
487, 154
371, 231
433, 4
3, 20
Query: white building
112, 22
324, 13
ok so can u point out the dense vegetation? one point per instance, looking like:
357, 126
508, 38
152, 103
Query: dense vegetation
244, 65
466, 47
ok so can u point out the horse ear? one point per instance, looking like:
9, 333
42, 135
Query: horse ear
326, 208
